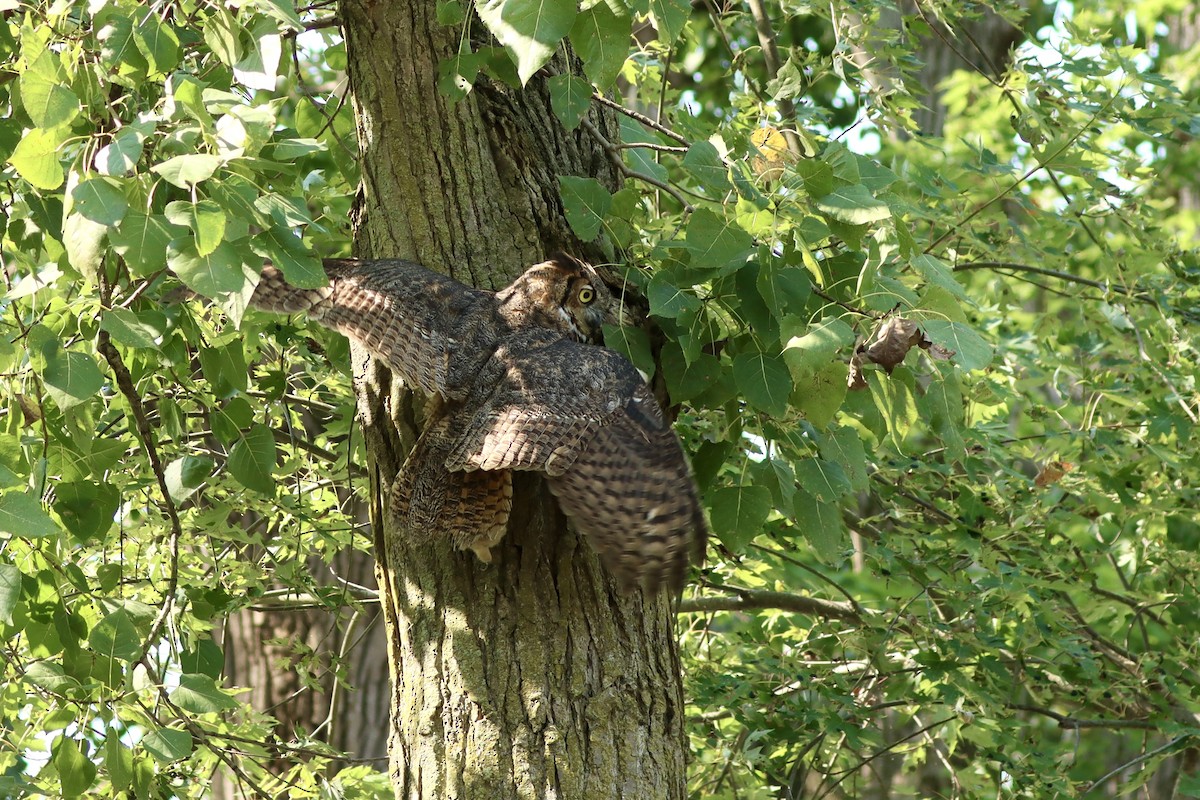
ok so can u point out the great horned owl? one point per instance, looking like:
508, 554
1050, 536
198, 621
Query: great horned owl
519, 382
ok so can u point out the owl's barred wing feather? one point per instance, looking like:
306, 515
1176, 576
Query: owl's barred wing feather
582, 415
402, 312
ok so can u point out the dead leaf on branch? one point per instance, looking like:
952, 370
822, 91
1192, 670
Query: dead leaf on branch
1052, 472
894, 337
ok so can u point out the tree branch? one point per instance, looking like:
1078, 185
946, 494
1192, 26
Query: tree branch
1074, 723
642, 118
760, 599
142, 424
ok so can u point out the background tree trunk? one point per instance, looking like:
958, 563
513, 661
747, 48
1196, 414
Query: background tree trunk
531, 677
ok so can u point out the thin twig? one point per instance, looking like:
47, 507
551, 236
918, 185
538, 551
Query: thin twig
614, 155
642, 118
1135, 761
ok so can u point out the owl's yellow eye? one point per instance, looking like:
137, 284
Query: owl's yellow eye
587, 294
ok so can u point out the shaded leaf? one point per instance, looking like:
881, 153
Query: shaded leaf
570, 97
167, 745
116, 636
586, 203
715, 242
738, 514
72, 378
765, 382
601, 38
252, 460
10, 590
201, 695
821, 524
76, 772
704, 164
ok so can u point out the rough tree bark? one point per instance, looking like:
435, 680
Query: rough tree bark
532, 677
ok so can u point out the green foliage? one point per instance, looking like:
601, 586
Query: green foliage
143, 147
942, 551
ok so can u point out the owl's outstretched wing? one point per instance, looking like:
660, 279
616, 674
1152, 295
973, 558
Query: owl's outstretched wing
582, 415
404, 314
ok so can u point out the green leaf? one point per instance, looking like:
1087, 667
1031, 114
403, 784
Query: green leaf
201, 695
824, 480
529, 29
704, 164
167, 745
806, 354
821, 524
843, 446
76, 772
586, 203
821, 392
188, 170
118, 761
72, 378
225, 368
286, 251
220, 272
854, 205
935, 272
130, 329
206, 220
971, 350
36, 158
570, 97
668, 300
115, 636
601, 38
10, 590
142, 241
738, 514
669, 18
51, 677
765, 382
84, 242
186, 475
86, 508
258, 67
784, 288
221, 34
716, 243
157, 42
46, 93
633, 343
100, 201
252, 460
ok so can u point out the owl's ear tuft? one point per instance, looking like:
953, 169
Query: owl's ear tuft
567, 263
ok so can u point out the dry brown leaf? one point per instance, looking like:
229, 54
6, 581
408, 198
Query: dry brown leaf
1052, 472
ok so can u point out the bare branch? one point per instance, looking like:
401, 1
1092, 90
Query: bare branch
642, 118
760, 599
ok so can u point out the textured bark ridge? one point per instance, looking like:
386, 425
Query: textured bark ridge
531, 677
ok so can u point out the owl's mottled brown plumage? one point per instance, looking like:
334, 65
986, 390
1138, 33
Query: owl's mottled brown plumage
519, 383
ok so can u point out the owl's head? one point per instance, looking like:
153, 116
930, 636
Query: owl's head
563, 294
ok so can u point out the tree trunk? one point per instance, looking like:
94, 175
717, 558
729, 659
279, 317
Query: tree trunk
531, 677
